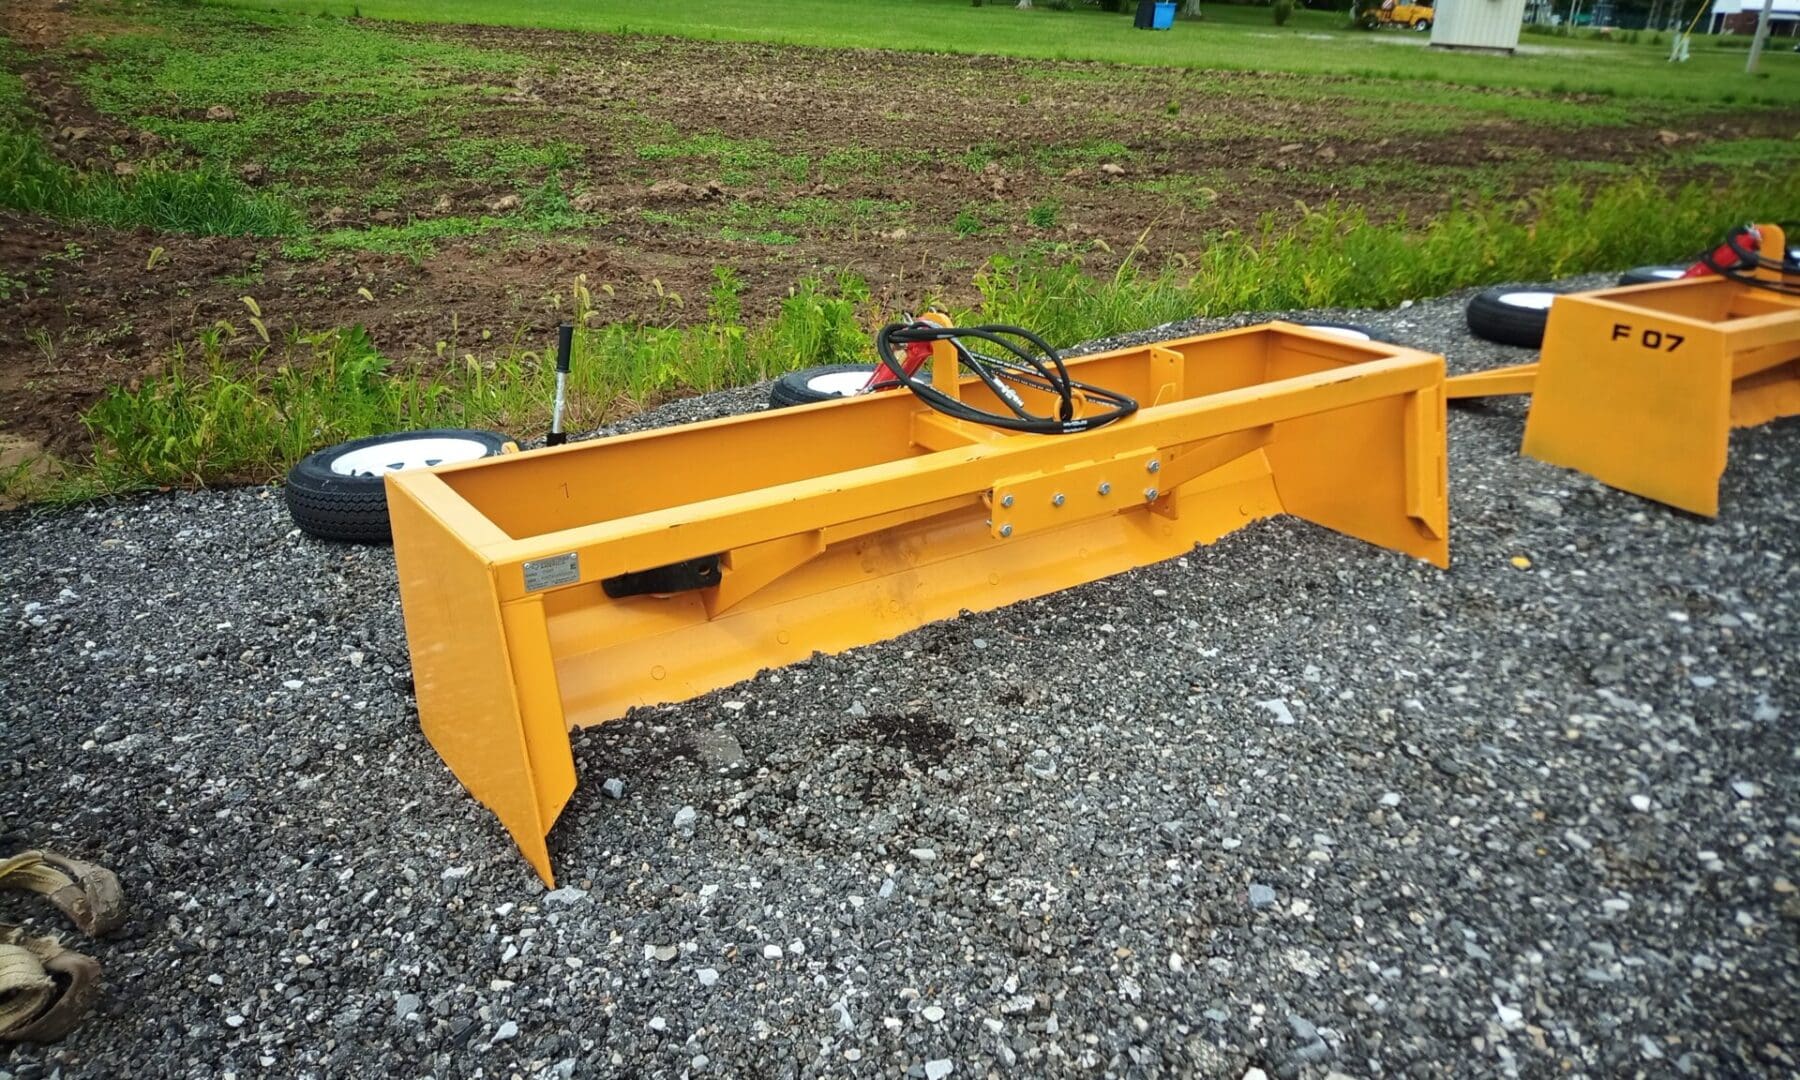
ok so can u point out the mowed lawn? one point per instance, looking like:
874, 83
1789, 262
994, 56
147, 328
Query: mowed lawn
1227, 38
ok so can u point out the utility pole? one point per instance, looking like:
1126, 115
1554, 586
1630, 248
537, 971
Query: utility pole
1762, 35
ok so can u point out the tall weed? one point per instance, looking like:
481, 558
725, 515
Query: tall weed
204, 201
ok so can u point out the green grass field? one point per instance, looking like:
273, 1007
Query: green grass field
1228, 38
357, 127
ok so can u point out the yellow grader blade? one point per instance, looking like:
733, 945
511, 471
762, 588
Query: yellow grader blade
561, 587
1640, 386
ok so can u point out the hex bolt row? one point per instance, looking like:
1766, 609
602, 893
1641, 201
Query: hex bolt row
1059, 499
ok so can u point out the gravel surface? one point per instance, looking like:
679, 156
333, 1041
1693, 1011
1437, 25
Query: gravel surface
1290, 803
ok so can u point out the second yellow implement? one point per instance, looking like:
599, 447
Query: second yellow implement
1640, 386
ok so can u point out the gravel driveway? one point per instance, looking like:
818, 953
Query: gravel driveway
1290, 803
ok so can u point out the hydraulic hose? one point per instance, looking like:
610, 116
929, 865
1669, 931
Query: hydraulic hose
1026, 361
1739, 262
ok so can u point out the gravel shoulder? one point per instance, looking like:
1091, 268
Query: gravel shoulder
1288, 803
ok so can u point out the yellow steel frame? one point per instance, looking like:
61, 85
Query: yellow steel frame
848, 522
1640, 386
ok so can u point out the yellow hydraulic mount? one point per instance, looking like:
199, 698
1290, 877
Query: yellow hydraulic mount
1640, 386
563, 586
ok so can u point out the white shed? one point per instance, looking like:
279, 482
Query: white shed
1479, 25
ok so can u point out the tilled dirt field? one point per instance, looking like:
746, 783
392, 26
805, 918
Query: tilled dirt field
682, 156
1504, 821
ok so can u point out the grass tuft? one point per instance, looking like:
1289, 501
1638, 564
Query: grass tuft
203, 201
234, 409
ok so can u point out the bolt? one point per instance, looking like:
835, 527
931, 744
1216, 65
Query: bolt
1105, 488
1154, 466
1006, 501
1057, 499
1005, 531
1149, 494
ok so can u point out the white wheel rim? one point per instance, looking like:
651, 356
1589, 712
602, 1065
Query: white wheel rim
838, 383
1340, 331
1536, 301
402, 454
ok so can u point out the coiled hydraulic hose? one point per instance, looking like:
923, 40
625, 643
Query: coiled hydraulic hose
1027, 361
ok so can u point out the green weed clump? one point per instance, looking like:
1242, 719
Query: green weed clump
236, 409
216, 414
967, 222
739, 161
203, 201
1334, 257
200, 201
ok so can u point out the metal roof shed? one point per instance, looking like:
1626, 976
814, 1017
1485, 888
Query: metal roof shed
1478, 25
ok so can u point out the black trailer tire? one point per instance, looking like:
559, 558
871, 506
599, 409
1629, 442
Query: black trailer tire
1646, 275
338, 493
827, 383
1511, 314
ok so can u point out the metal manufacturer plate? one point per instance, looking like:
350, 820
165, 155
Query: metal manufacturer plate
564, 569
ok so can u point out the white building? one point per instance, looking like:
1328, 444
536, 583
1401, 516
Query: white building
1739, 17
1479, 25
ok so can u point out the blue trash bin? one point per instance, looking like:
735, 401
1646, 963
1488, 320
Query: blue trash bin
1165, 16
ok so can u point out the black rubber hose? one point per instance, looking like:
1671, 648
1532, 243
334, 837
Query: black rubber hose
1033, 364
